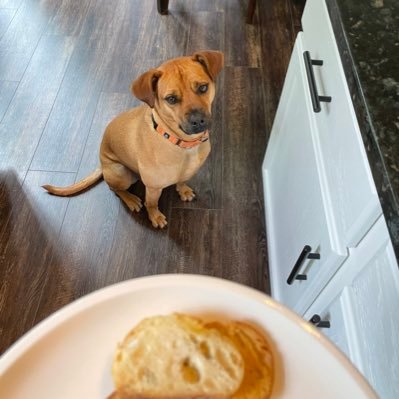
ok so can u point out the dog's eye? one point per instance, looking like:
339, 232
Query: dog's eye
203, 88
171, 100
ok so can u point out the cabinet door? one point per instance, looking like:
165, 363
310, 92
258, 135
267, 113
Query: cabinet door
294, 201
354, 201
361, 304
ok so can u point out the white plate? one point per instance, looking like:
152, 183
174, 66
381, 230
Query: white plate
69, 354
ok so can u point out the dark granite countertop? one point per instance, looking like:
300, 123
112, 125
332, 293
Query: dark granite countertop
367, 35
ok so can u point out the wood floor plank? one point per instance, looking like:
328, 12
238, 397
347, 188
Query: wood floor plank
297, 7
27, 249
164, 36
6, 16
88, 228
27, 114
10, 4
62, 143
245, 138
194, 239
127, 60
50, 209
276, 51
22, 36
7, 90
138, 249
243, 246
85, 240
195, 6
243, 238
206, 31
69, 18
237, 32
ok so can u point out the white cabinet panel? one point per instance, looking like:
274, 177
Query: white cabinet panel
295, 203
361, 302
354, 200
375, 302
335, 314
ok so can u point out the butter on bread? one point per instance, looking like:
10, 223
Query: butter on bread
180, 356
176, 356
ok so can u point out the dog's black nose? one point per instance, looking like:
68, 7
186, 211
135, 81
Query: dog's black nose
198, 122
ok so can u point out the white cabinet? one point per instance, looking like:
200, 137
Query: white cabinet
319, 194
354, 204
361, 304
295, 203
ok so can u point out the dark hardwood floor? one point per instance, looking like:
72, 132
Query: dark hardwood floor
65, 71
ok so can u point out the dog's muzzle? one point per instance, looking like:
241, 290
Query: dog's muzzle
196, 122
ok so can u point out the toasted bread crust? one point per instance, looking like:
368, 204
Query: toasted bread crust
258, 375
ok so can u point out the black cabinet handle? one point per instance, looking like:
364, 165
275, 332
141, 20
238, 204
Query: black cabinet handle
319, 323
314, 95
305, 254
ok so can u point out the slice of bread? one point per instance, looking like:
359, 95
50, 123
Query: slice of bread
258, 373
177, 356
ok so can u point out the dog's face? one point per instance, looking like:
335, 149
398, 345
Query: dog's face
182, 90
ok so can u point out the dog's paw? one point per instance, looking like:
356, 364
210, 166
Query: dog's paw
132, 201
135, 203
186, 193
158, 219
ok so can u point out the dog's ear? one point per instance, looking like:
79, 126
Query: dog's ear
212, 61
145, 86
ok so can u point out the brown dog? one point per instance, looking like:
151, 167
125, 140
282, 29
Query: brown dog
162, 142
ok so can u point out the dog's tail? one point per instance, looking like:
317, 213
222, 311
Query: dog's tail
77, 187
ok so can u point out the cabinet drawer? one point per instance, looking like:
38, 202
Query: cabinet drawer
294, 201
337, 314
354, 205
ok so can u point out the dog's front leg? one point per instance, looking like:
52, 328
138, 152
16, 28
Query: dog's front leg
157, 218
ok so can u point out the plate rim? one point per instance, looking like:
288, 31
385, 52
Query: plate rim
45, 326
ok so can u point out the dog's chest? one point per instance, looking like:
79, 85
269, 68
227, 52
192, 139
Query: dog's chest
176, 167
191, 161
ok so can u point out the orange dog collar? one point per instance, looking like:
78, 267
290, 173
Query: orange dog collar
179, 142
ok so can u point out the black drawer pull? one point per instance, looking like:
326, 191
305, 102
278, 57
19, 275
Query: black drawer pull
314, 95
305, 254
319, 323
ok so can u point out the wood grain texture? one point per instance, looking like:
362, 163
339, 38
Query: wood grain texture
244, 143
193, 7
7, 90
27, 250
168, 38
73, 62
87, 231
194, 239
27, 114
296, 7
22, 36
245, 138
69, 123
6, 16
69, 17
237, 32
10, 4
277, 42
